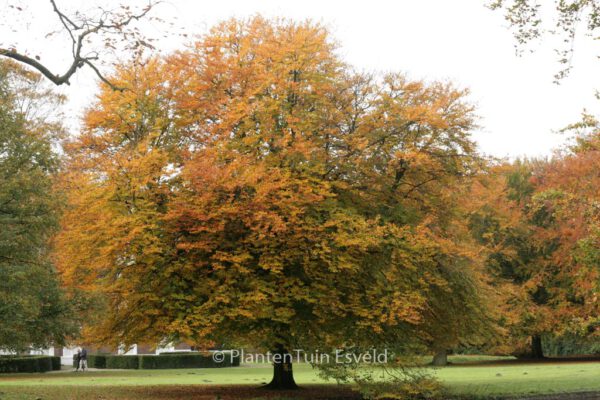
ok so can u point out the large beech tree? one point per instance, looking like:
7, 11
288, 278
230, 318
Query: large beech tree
500, 221
255, 190
563, 193
33, 309
539, 223
568, 200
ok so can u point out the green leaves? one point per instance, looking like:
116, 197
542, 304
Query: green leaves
34, 312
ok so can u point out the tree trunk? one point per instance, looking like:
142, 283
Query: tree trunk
440, 358
537, 352
283, 376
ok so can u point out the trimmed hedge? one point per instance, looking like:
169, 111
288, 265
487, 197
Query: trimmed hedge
45, 364
185, 360
97, 361
29, 364
122, 362
56, 364
162, 361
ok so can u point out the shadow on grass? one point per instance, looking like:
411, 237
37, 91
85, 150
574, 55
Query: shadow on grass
187, 392
238, 392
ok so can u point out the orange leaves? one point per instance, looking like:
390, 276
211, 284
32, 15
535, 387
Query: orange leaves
240, 73
568, 196
254, 187
540, 214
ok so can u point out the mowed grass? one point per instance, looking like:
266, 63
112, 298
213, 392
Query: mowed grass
253, 375
521, 378
490, 378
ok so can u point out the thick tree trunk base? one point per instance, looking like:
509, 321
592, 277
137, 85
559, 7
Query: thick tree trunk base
537, 352
440, 359
283, 375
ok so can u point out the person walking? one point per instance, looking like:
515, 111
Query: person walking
77, 359
83, 359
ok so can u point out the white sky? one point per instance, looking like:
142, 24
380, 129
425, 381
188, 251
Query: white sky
459, 40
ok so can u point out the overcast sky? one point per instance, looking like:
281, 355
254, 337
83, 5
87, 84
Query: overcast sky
459, 40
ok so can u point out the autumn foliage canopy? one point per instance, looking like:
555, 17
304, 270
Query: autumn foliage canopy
255, 189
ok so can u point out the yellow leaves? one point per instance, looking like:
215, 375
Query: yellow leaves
255, 181
404, 308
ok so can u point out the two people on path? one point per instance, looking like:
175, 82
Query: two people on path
81, 359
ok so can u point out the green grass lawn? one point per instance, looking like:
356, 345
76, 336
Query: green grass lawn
500, 378
526, 378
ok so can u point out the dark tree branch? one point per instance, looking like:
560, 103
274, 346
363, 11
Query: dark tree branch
101, 77
64, 20
79, 32
58, 80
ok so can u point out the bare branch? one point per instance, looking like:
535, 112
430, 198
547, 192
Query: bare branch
56, 79
102, 77
64, 20
107, 25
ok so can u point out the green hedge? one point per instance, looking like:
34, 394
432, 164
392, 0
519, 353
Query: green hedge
185, 360
97, 361
163, 361
29, 364
122, 362
45, 364
55, 363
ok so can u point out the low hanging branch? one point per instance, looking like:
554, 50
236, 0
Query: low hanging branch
110, 27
